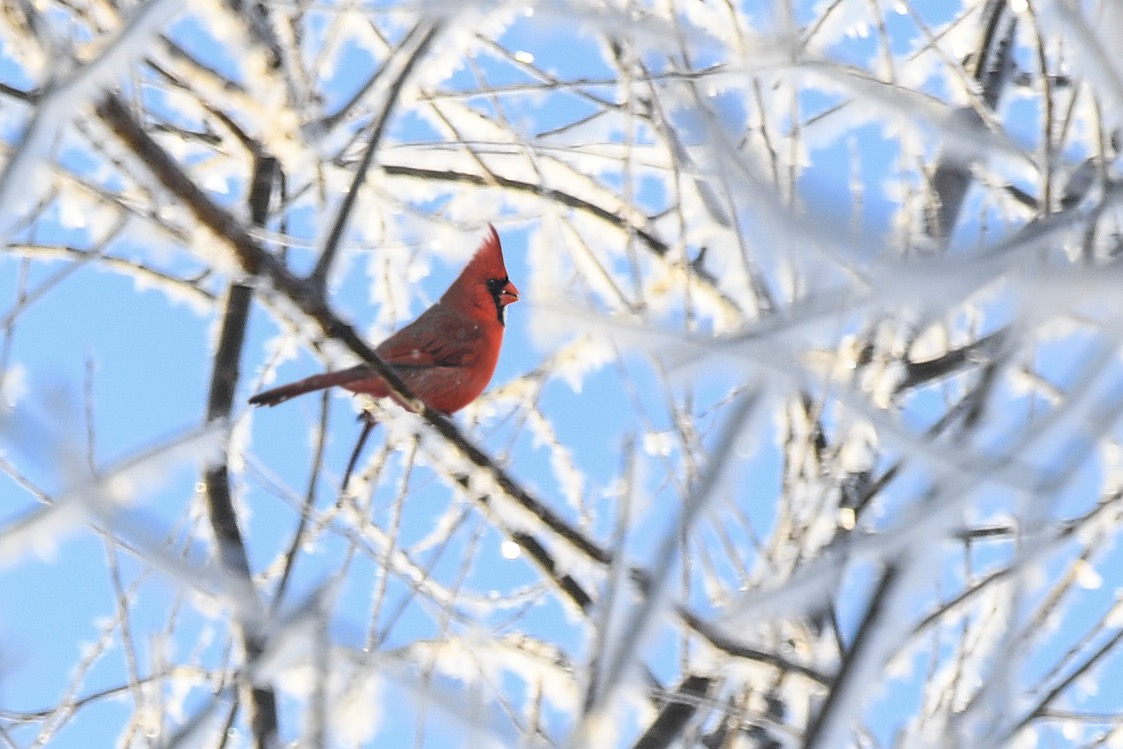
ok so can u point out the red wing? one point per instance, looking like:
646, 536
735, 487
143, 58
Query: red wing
430, 343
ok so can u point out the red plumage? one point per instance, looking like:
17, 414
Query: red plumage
446, 357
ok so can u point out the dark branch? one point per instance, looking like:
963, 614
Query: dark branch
844, 682
993, 60
616, 219
224, 519
674, 716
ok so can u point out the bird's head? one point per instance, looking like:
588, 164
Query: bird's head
483, 286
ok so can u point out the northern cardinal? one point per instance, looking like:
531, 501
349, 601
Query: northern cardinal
447, 355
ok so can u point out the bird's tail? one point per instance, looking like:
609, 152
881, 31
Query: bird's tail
308, 384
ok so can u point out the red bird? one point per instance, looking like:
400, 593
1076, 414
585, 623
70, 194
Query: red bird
446, 356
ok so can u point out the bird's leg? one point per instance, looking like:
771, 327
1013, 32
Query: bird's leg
369, 421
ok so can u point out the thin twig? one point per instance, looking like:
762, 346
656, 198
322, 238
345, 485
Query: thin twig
319, 274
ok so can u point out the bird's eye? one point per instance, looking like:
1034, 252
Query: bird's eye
495, 285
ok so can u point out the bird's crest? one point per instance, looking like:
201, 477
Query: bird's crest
488, 260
